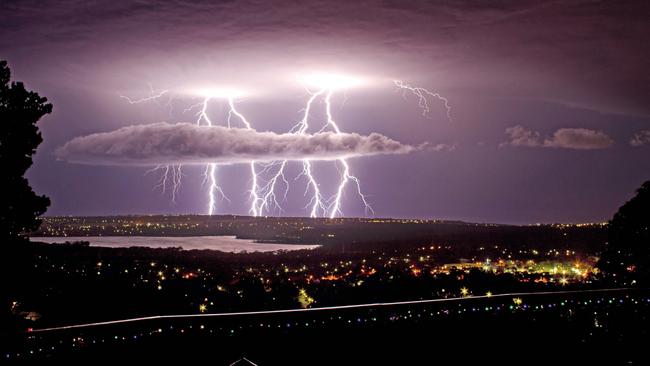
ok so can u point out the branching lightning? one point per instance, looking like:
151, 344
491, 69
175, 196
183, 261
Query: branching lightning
153, 96
316, 202
423, 94
257, 203
170, 175
266, 198
210, 173
317, 205
335, 208
268, 178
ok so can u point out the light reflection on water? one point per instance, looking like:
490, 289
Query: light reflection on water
222, 243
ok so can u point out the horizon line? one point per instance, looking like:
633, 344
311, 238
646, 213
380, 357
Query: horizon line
358, 218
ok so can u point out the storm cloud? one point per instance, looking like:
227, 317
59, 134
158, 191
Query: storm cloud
564, 138
184, 143
548, 47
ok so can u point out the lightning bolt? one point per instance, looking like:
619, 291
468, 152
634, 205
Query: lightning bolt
423, 95
171, 175
210, 173
263, 191
257, 203
316, 201
267, 198
264, 196
153, 97
335, 208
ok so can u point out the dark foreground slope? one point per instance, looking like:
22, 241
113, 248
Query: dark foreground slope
602, 327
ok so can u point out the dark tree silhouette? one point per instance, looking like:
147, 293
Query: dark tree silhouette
20, 109
628, 250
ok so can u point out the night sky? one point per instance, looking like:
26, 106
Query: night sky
550, 99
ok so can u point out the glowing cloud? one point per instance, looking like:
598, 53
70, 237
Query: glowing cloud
217, 93
579, 138
331, 81
184, 143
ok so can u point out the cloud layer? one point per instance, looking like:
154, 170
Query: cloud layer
564, 138
529, 48
184, 143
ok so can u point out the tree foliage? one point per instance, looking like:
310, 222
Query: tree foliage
20, 110
628, 250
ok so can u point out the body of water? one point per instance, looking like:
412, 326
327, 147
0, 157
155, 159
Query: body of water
222, 243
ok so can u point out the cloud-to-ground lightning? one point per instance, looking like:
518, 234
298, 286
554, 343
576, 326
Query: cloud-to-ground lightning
267, 178
262, 192
263, 196
335, 208
266, 199
256, 205
327, 84
257, 202
316, 201
423, 95
210, 172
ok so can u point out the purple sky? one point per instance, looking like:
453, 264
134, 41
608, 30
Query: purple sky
547, 97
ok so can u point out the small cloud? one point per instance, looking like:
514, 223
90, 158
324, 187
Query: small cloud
564, 138
437, 147
184, 143
579, 138
520, 136
640, 138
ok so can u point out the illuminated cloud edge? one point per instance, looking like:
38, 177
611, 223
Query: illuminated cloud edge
564, 138
184, 143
